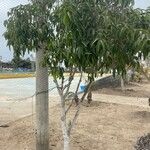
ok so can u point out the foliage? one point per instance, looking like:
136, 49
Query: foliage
98, 36
17, 62
93, 36
24, 32
143, 143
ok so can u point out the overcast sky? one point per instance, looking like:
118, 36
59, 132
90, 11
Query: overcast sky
5, 5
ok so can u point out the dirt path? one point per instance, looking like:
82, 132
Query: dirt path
13, 110
132, 101
132, 89
103, 126
111, 122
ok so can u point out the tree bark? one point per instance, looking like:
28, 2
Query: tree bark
66, 137
42, 104
64, 125
66, 142
65, 132
122, 84
89, 97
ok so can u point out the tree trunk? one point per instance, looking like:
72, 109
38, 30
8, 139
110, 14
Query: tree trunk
42, 115
89, 97
122, 84
66, 142
64, 125
65, 133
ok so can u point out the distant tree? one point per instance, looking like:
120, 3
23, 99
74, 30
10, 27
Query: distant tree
18, 62
7, 65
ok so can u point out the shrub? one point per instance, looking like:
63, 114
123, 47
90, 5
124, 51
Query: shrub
143, 143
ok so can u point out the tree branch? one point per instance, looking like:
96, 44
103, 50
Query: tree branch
86, 91
69, 106
78, 109
58, 87
62, 83
79, 83
68, 85
75, 93
74, 119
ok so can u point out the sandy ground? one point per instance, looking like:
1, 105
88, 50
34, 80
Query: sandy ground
132, 90
113, 121
101, 126
11, 110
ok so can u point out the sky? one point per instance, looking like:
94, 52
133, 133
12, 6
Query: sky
5, 6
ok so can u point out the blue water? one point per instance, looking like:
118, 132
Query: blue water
24, 87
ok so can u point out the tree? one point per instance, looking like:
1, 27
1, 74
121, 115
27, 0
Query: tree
29, 29
94, 37
18, 62
144, 24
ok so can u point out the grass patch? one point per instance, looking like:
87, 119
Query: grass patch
16, 75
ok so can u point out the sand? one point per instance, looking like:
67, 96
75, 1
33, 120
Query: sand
101, 126
110, 123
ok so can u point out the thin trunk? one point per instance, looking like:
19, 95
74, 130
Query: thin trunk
65, 134
64, 124
89, 96
86, 91
42, 116
66, 142
122, 84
